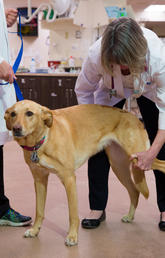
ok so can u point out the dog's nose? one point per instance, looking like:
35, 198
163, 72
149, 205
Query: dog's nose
17, 130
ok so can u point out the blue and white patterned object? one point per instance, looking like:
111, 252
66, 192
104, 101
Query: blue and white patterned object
113, 11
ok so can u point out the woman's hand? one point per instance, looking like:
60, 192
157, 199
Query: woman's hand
144, 160
6, 72
11, 16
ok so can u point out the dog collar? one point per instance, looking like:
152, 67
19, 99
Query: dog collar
34, 148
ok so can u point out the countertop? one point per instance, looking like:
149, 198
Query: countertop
48, 74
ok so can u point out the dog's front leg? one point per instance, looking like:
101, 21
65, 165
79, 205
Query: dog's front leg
41, 191
70, 186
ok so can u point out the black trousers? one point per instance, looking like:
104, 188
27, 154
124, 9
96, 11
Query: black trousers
98, 165
4, 202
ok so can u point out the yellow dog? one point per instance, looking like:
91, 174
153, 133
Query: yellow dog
60, 141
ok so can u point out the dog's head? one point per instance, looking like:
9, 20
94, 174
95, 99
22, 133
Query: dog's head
26, 117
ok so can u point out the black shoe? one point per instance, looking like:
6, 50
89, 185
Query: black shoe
93, 223
161, 224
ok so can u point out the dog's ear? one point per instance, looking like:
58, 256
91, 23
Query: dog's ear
47, 116
7, 118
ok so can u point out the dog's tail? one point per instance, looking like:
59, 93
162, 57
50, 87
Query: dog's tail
139, 176
139, 180
159, 165
143, 188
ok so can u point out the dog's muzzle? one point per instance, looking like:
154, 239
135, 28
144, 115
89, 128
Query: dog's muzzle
17, 131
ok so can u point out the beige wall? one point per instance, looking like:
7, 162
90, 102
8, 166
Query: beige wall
56, 44
64, 42
33, 46
56, 41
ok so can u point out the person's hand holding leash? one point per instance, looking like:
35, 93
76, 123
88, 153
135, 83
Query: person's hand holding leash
11, 16
6, 72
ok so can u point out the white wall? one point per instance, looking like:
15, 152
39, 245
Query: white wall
56, 44
33, 46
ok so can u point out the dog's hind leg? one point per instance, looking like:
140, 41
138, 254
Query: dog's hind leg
40, 183
120, 164
69, 182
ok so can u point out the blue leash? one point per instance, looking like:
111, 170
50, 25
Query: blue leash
16, 65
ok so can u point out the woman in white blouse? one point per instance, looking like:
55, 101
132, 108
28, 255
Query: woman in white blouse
127, 60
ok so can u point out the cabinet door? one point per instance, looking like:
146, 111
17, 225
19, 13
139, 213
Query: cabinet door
53, 92
69, 85
59, 91
31, 88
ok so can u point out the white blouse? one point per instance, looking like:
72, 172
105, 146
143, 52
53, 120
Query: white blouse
93, 84
7, 92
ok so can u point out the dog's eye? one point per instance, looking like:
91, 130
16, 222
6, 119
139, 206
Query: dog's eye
29, 113
13, 114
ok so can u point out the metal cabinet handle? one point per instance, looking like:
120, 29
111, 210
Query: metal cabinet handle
67, 97
71, 93
59, 82
35, 94
30, 93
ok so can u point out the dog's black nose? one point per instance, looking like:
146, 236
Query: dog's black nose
17, 130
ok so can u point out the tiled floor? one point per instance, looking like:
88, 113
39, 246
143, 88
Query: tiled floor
113, 239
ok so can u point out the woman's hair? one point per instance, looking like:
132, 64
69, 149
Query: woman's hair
123, 43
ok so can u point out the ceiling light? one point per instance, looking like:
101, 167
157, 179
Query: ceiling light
155, 8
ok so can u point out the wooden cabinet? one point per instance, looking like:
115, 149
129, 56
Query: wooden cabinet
59, 91
30, 88
51, 91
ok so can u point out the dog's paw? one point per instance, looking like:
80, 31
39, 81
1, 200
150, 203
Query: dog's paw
127, 219
71, 240
30, 233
